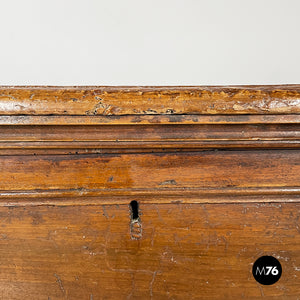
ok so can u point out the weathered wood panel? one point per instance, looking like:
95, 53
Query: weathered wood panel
188, 251
215, 172
154, 172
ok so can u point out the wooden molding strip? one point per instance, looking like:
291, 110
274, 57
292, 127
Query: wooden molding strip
18, 120
86, 139
85, 148
88, 101
163, 195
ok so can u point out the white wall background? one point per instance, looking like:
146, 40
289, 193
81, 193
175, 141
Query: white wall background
157, 42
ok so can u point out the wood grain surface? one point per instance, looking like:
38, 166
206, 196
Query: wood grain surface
213, 172
278, 99
187, 177
85, 139
188, 251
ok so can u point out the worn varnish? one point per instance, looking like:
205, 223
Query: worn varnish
148, 192
149, 100
202, 251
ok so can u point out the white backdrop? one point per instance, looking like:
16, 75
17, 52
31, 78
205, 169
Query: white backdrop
157, 42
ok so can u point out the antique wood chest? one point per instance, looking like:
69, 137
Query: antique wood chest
148, 192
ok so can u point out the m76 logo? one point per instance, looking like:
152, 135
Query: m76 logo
267, 270
273, 270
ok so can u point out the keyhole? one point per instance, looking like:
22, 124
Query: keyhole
134, 210
135, 221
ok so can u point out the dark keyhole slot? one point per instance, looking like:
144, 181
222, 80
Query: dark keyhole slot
134, 210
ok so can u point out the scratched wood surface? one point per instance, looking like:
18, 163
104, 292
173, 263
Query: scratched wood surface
215, 172
188, 251
190, 173
149, 100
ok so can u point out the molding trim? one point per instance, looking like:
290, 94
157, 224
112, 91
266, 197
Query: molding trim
220, 144
87, 101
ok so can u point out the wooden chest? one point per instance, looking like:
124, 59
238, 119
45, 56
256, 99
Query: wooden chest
148, 192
